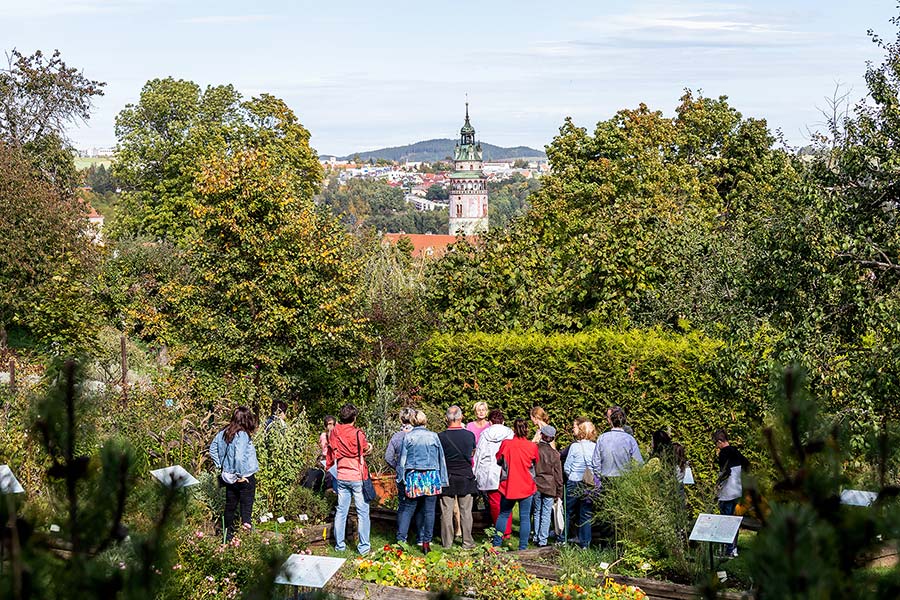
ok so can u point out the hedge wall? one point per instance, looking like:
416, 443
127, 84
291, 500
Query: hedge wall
662, 380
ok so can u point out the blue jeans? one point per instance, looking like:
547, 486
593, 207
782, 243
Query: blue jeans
424, 518
334, 479
506, 507
579, 512
726, 507
543, 513
346, 489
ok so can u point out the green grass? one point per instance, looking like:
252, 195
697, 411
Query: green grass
737, 568
85, 162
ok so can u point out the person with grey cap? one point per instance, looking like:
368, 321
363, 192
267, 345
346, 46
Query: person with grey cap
549, 480
459, 447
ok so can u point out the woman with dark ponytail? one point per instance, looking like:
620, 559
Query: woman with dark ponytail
516, 457
234, 455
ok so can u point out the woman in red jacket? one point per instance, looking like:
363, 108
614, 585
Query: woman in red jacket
516, 458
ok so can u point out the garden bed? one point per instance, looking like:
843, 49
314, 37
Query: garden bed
540, 563
357, 589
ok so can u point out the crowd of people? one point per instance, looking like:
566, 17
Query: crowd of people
463, 465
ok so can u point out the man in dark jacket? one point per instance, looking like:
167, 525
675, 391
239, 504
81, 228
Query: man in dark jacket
549, 479
459, 447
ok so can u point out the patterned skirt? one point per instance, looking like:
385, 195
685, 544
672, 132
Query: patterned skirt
422, 483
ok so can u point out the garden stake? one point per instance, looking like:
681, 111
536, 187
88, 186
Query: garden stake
224, 531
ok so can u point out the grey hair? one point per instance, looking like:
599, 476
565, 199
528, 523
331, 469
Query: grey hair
454, 414
407, 414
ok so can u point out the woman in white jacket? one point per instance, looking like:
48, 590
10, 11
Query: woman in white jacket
487, 471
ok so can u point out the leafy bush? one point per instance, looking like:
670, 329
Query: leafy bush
204, 567
303, 501
650, 516
662, 380
285, 451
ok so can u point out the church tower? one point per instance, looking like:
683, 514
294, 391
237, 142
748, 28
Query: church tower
468, 187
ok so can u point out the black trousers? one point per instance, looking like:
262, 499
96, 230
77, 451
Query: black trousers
242, 493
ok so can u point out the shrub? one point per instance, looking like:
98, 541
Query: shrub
649, 513
663, 380
303, 501
285, 451
204, 567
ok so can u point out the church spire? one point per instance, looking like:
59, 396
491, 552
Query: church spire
467, 133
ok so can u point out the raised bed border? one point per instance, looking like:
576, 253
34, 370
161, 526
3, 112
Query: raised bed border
357, 589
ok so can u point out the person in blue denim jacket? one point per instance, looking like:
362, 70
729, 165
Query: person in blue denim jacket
423, 471
233, 453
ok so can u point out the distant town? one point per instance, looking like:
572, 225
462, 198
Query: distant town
416, 178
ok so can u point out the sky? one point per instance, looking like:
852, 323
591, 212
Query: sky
365, 75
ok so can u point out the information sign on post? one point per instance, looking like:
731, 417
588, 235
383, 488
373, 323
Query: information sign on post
8, 482
858, 497
304, 570
720, 529
175, 477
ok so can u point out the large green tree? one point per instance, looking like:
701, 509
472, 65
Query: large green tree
273, 286
39, 97
625, 219
47, 258
174, 127
262, 281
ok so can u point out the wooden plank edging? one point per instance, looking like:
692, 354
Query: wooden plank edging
655, 590
357, 589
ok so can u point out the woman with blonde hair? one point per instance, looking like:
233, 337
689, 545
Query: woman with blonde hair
540, 418
481, 421
579, 506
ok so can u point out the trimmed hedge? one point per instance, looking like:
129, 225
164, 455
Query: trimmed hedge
662, 380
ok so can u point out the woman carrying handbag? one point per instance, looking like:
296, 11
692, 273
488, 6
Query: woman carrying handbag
347, 447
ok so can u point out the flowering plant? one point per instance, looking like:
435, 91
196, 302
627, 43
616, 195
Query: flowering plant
484, 574
205, 567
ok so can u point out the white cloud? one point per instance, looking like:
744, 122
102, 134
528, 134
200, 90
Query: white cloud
704, 22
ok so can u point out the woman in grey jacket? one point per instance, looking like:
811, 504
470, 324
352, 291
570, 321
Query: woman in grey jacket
422, 470
234, 455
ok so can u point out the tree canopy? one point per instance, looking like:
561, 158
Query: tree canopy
39, 98
47, 258
615, 219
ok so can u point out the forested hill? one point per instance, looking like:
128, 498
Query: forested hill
432, 150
